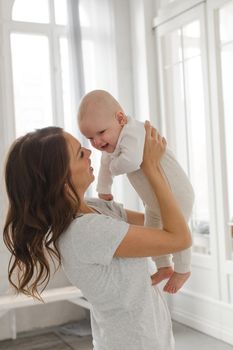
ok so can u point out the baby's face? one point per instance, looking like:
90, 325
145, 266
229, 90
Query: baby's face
103, 131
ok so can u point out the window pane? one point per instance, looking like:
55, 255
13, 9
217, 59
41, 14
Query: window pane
31, 11
66, 84
226, 22
31, 80
185, 119
83, 16
196, 131
191, 40
61, 12
90, 69
172, 47
175, 112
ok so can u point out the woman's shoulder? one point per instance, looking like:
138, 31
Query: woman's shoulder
111, 208
94, 221
93, 238
85, 219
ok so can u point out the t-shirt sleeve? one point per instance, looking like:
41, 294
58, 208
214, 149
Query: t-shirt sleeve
111, 208
95, 238
117, 209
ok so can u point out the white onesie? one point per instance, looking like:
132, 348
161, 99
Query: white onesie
126, 159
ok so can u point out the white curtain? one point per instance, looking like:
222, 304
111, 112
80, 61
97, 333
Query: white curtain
94, 59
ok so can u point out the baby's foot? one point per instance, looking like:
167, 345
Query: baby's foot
175, 282
162, 274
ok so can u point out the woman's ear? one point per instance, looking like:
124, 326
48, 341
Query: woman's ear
121, 118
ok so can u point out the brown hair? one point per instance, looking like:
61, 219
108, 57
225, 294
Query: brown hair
40, 209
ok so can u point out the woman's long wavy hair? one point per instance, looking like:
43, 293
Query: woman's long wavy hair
40, 209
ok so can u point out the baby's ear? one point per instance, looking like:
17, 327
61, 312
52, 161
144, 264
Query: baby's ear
121, 118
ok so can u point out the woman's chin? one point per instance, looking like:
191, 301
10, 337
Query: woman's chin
92, 172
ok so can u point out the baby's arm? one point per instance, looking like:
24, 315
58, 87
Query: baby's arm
105, 179
130, 156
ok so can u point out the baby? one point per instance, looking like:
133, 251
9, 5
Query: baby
121, 140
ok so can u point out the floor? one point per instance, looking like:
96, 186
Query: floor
53, 339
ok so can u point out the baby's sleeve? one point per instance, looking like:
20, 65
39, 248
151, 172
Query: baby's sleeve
105, 178
130, 156
97, 238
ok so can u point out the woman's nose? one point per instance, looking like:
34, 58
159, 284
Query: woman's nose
88, 152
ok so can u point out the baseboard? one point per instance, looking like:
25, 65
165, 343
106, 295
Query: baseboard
206, 315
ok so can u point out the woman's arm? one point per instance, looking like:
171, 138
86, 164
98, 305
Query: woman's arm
175, 236
134, 217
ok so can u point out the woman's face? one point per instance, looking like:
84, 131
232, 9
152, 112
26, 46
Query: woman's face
80, 165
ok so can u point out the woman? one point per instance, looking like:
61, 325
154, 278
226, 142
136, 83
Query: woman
101, 246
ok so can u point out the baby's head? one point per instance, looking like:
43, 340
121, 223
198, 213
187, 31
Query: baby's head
101, 119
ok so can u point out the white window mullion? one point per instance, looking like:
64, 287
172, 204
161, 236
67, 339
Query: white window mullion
57, 102
51, 12
185, 107
32, 28
56, 81
162, 120
8, 93
6, 9
75, 49
210, 141
7, 135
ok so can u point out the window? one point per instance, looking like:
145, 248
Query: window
41, 69
31, 80
226, 58
49, 64
31, 11
184, 114
61, 12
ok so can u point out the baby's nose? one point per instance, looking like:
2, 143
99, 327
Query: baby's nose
97, 141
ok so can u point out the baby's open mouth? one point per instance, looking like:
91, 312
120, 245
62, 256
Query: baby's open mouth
104, 146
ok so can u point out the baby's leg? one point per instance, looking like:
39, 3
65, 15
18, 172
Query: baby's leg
176, 179
152, 218
183, 192
163, 263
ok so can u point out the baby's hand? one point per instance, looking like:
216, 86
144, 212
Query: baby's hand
106, 197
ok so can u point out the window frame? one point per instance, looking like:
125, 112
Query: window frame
53, 32
220, 169
196, 13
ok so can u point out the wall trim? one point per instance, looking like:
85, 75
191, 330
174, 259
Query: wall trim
207, 315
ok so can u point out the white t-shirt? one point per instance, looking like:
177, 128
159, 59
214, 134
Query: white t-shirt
127, 312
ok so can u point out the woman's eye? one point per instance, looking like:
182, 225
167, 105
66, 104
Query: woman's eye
102, 131
81, 154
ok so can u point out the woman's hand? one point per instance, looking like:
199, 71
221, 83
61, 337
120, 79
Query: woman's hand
105, 197
154, 148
